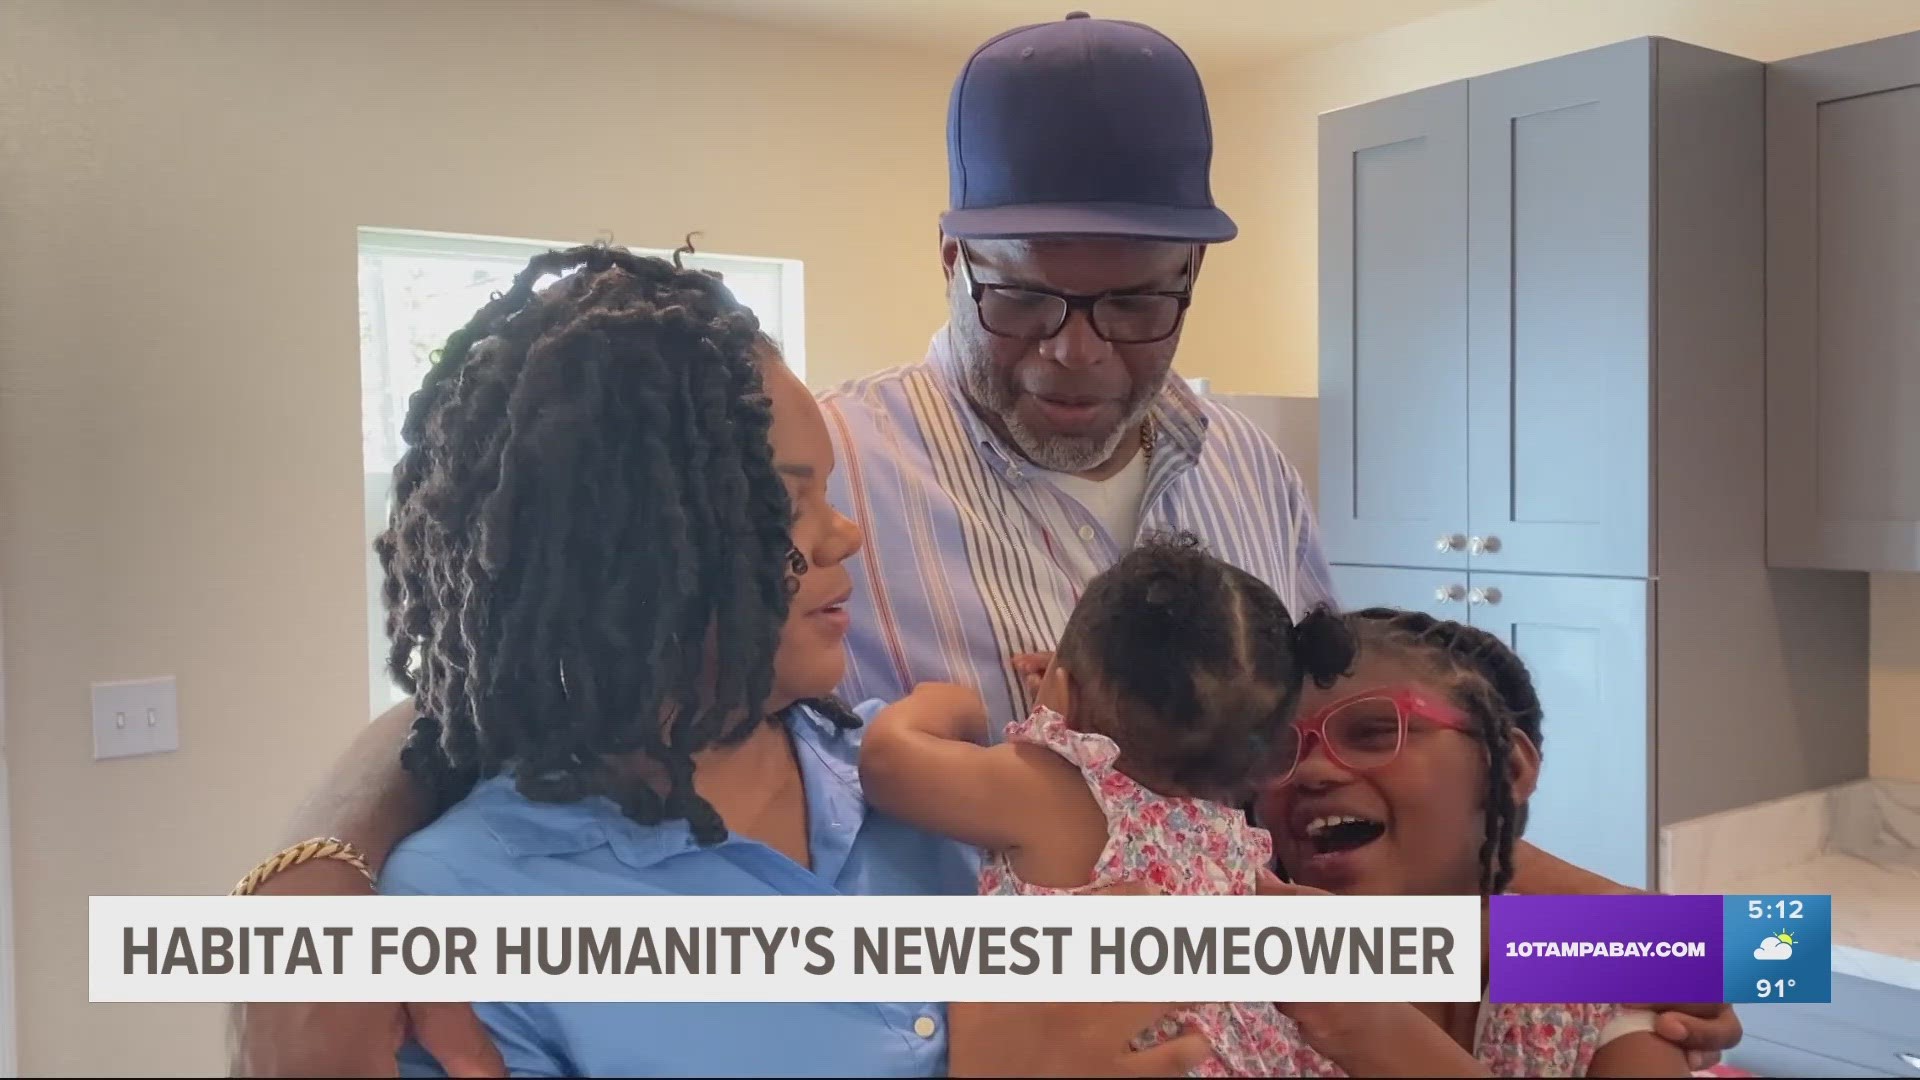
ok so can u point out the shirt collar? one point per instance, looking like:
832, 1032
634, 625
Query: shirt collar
1179, 417
829, 766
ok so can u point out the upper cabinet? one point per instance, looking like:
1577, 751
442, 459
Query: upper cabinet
1498, 306
1393, 331
1559, 335
1843, 308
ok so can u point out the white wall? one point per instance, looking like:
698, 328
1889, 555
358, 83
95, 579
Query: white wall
179, 405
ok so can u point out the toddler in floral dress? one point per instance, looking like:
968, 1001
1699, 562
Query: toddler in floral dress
1156, 721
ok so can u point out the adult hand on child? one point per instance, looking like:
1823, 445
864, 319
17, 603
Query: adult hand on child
1379, 1038
1068, 1038
1702, 1030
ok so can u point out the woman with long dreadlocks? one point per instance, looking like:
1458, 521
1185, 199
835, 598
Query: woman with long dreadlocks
615, 590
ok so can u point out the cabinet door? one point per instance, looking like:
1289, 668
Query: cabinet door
1558, 354
1440, 593
1843, 308
1587, 643
1393, 309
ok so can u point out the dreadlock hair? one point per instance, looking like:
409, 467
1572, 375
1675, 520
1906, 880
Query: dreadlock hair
1490, 683
587, 503
1193, 666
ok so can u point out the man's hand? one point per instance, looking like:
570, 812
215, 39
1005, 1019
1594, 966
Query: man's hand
1380, 1038
1703, 1031
1065, 1038
350, 1038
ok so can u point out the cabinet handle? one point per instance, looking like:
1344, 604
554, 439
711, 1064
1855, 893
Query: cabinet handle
1484, 545
1450, 594
1450, 542
1488, 595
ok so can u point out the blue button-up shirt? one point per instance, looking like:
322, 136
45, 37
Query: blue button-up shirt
496, 842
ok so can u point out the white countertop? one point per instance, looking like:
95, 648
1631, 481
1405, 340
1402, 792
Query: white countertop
1859, 843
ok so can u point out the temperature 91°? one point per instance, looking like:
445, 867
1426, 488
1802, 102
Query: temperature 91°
1774, 988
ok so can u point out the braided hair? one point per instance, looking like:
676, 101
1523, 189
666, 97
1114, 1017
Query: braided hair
1194, 665
1490, 683
587, 512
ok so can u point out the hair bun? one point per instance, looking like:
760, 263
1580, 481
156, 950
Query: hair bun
1323, 645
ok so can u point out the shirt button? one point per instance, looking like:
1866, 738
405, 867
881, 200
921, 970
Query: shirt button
1086, 532
925, 1027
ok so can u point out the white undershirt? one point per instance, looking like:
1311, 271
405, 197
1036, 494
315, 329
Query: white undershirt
1113, 502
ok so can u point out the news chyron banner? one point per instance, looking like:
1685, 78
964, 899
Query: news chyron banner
1648, 949
785, 948
1610, 949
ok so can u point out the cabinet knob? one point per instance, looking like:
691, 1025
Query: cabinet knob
1450, 594
1450, 542
1488, 595
1484, 545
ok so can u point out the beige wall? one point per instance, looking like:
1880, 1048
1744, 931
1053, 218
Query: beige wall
1268, 163
179, 401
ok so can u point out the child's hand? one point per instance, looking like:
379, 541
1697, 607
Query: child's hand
1031, 667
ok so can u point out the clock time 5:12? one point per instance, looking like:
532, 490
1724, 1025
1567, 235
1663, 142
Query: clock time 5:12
1774, 909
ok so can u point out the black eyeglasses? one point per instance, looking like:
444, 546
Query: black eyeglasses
1123, 318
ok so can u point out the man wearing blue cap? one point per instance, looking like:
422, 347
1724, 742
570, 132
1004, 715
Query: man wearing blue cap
1044, 433
1041, 436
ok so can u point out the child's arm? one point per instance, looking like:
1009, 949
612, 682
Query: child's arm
1635, 1050
922, 762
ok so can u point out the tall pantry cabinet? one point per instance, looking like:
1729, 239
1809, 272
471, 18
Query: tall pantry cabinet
1542, 380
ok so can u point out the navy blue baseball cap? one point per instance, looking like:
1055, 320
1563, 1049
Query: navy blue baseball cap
1082, 127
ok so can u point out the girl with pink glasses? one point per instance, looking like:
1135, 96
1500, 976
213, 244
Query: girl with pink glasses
1410, 775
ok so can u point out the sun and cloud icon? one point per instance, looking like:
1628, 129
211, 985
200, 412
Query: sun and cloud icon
1775, 947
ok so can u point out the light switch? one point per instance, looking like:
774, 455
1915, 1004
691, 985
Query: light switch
135, 717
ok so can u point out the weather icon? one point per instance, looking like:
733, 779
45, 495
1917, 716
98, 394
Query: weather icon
1775, 947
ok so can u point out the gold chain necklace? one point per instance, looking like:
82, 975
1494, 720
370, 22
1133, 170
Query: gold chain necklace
1146, 438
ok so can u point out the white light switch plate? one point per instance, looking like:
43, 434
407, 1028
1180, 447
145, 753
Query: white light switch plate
134, 718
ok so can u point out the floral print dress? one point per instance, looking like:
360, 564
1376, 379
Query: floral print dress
1193, 847
1185, 847
1512, 1040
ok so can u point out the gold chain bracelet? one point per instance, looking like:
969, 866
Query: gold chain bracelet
304, 852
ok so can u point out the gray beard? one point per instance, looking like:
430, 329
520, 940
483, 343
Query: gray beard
1055, 453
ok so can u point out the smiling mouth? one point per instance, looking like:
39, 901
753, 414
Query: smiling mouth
1341, 832
836, 607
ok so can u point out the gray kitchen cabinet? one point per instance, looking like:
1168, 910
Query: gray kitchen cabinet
1585, 642
1868, 1029
1843, 307
1539, 288
1560, 338
1440, 593
1598, 345
1393, 331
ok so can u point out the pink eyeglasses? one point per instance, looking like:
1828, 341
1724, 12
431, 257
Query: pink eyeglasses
1365, 733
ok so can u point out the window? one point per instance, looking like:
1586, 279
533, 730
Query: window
416, 288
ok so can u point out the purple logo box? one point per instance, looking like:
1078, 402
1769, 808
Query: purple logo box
1604, 949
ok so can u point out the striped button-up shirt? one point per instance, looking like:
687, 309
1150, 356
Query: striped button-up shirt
973, 554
